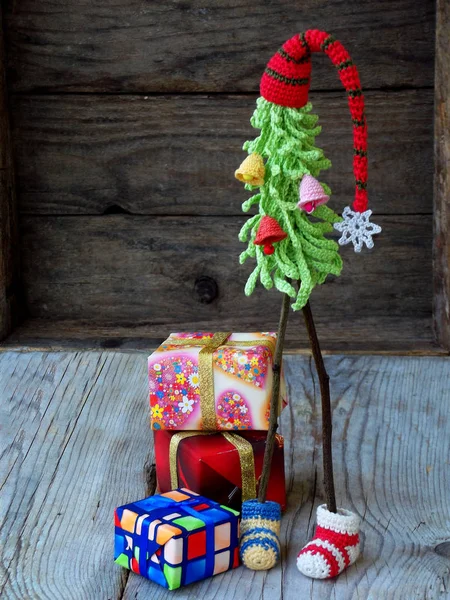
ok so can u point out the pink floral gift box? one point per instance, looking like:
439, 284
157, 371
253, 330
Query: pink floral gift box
213, 381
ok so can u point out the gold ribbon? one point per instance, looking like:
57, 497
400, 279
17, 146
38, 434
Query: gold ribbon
246, 459
173, 451
206, 379
206, 371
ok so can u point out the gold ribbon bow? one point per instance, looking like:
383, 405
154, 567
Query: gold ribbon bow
246, 459
205, 368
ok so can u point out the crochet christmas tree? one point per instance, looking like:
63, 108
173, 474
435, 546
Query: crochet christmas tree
287, 145
287, 237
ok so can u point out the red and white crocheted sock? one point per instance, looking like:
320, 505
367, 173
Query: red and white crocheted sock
334, 547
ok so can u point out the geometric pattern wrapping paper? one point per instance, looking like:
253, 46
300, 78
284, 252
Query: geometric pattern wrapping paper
228, 388
176, 538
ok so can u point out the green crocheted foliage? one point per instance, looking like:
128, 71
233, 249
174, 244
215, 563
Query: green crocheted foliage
286, 142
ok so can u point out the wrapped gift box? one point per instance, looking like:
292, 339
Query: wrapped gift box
176, 538
213, 464
213, 381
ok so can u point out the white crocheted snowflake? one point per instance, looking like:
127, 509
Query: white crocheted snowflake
356, 228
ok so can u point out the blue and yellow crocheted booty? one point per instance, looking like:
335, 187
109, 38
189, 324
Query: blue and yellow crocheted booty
260, 527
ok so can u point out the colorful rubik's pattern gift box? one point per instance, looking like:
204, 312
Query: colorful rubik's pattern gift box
212, 381
223, 466
176, 538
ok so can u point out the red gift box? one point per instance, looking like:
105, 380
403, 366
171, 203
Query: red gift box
211, 465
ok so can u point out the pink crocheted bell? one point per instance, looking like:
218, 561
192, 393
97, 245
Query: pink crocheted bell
312, 194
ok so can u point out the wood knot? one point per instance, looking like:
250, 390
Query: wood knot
206, 289
111, 343
443, 549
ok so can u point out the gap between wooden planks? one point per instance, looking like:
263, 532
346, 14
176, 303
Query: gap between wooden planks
77, 443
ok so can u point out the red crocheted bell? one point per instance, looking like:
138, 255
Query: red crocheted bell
269, 233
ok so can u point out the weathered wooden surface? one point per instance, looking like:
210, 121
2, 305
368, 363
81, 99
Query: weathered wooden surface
442, 178
77, 443
206, 45
177, 154
9, 257
129, 271
68, 449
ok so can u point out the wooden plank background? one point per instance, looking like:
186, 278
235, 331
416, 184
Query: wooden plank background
207, 45
10, 308
441, 262
128, 122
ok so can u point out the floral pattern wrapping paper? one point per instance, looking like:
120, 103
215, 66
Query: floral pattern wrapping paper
242, 377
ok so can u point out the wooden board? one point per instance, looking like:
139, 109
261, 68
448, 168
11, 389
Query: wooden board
177, 154
84, 447
64, 483
208, 46
412, 337
128, 271
10, 292
441, 261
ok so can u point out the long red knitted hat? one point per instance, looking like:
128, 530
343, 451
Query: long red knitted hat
286, 82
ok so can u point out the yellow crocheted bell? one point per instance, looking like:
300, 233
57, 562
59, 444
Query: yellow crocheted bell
252, 170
